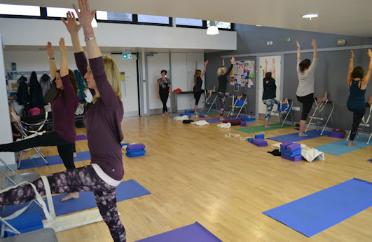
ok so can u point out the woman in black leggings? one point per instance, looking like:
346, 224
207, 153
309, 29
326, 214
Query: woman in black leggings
164, 87
357, 82
198, 85
63, 109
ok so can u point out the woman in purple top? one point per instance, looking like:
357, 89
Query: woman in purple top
63, 109
103, 122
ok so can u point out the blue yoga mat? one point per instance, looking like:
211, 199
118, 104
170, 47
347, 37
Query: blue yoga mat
53, 160
194, 232
80, 137
32, 218
321, 210
295, 137
341, 147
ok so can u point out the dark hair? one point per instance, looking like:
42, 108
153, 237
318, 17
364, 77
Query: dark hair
304, 65
164, 71
268, 76
197, 74
358, 72
71, 77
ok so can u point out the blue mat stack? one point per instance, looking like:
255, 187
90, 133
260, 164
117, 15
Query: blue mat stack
291, 151
258, 140
135, 150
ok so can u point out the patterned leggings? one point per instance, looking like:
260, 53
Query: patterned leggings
80, 179
269, 107
221, 98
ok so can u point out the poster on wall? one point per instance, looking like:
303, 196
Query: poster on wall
269, 64
244, 73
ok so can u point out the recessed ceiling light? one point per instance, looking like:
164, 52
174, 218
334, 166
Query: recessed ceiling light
258, 25
310, 16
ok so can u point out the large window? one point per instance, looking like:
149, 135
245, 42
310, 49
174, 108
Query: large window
22, 10
221, 25
114, 16
189, 22
151, 19
59, 12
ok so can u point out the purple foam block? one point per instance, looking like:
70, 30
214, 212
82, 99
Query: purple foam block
260, 142
337, 135
135, 147
259, 136
293, 147
295, 158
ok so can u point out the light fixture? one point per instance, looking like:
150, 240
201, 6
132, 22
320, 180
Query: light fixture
212, 29
94, 23
310, 16
258, 25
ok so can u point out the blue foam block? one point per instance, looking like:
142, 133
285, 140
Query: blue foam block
295, 137
194, 232
31, 219
341, 147
136, 153
319, 211
259, 136
53, 160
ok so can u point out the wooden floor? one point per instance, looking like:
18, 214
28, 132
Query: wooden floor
197, 174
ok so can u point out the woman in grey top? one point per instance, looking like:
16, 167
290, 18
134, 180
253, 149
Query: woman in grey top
305, 89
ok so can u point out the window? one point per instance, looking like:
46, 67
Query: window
221, 25
189, 22
22, 10
59, 12
114, 16
153, 19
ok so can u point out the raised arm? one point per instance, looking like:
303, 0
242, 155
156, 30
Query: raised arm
51, 60
315, 49
106, 93
232, 62
205, 68
73, 28
369, 71
298, 51
351, 67
68, 91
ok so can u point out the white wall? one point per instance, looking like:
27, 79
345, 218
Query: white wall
35, 32
37, 61
5, 130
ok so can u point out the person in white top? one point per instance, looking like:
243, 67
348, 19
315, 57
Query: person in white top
305, 89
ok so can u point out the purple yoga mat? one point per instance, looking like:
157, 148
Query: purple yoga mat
80, 137
214, 120
191, 233
295, 137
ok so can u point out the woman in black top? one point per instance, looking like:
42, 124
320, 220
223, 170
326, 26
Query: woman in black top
222, 76
164, 85
198, 85
269, 92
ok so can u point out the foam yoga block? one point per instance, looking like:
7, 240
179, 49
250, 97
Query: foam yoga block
259, 136
291, 151
260, 142
136, 153
135, 147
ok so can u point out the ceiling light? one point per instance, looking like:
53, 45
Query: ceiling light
212, 29
258, 25
310, 16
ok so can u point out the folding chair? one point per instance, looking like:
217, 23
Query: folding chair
239, 104
286, 111
321, 115
29, 131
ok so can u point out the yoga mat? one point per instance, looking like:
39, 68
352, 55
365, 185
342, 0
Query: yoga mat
191, 233
340, 147
261, 128
31, 219
80, 137
295, 138
321, 210
53, 160
214, 120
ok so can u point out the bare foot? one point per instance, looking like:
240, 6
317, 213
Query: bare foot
350, 143
302, 134
72, 195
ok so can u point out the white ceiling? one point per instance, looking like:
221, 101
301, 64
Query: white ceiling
348, 17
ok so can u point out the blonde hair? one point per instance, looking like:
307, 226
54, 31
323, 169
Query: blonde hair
221, 71
113, 74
